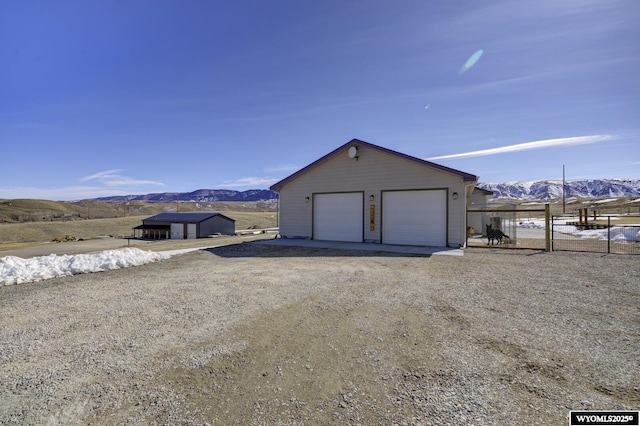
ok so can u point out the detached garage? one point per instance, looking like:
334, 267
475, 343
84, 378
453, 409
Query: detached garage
362, 192
180, 226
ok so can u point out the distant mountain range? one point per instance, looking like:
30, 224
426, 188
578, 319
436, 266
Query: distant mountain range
200, 195
542, 190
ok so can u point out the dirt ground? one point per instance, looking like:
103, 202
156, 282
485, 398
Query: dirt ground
250, 334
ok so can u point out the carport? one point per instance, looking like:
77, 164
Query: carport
152, 232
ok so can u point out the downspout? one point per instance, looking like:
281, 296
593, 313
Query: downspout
467, 194
278, 216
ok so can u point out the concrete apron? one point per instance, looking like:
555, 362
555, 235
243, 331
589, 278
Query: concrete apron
389, 248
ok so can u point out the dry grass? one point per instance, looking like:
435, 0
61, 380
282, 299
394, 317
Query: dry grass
34, 221
618, 220
85, 229
33, 232
29, 210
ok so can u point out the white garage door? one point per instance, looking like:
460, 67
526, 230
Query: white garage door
415, 218
338, 217
177, 231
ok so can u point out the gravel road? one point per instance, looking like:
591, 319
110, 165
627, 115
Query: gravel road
251, 334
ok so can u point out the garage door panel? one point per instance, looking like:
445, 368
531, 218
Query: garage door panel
414, 217
338, 217
177, 231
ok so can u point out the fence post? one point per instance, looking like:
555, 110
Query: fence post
608, 234
552, 225
547, 229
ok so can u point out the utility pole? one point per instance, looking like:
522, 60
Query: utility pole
563, 196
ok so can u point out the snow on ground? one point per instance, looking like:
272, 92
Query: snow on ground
531, 224
618, 233
16, 270
627, 233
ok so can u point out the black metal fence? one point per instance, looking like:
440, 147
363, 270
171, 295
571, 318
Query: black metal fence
602, 234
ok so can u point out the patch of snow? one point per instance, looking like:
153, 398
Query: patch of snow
597, 234
626, 233
531, 224
618, 233
16, 270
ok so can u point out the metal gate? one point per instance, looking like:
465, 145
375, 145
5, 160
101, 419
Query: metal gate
603, 234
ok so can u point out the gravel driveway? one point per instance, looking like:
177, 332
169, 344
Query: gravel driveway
254, 334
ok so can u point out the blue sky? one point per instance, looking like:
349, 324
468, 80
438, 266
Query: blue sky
129, 97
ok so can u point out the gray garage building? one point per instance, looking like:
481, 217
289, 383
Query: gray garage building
180, 226
361, 192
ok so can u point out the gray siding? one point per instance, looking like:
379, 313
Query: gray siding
477, 201
373, 172
216, 224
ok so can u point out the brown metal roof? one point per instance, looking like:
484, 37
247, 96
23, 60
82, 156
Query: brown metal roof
466, 177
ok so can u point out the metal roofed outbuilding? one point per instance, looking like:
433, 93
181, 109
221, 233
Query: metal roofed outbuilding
185, 226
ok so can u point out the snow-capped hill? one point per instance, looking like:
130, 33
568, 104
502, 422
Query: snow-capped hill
513, 190
552, 189
200, 195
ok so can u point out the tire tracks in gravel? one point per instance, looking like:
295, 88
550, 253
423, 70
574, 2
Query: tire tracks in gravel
319, 358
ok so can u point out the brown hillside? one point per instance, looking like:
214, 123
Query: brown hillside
23, 220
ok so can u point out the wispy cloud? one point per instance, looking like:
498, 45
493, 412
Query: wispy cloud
101, 184
546, 143
59, 194
113, 178
281, 168
250, 182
